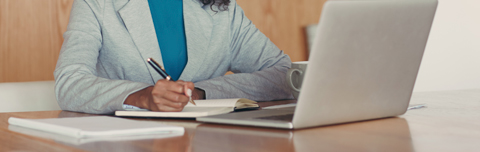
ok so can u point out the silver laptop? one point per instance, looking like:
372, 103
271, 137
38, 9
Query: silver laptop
365, 59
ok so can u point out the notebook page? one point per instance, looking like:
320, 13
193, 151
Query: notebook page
214, 103
203, 109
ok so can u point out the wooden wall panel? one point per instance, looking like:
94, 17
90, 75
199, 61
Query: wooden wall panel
31, 37
31, 32
284, 22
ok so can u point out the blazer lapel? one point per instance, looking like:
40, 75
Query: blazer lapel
198, 30
138, 20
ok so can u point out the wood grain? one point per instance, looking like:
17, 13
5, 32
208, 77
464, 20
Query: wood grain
284, 22
31, 38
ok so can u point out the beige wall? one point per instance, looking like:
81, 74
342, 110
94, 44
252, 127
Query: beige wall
452, 57
31, 32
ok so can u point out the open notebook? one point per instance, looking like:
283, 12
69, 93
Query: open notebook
203, 108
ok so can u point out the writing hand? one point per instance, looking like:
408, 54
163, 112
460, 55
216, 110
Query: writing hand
168, 96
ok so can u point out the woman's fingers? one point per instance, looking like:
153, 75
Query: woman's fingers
170, 96
187, 86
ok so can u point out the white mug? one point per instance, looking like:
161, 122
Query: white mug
295, 77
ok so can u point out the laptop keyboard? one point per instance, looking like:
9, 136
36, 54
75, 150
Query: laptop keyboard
287, 117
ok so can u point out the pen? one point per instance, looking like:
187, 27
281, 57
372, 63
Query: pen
416, 106
164, 74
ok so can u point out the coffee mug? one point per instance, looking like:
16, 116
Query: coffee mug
295, 77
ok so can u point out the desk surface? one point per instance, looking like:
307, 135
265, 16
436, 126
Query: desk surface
451, 122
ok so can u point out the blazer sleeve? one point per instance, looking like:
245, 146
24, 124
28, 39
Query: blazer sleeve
77, 85
260, 67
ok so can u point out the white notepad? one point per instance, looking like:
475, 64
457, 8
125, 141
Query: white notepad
95, 126
203, 108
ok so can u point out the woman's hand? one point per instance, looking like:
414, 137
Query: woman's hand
168, 96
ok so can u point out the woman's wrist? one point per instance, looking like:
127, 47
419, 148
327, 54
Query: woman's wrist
140, 98
198, 94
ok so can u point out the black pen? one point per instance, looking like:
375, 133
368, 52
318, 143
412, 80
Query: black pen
159, 69
164, 74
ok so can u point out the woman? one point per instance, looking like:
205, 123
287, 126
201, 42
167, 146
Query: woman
102, 65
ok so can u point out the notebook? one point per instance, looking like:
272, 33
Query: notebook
81, 141
95, 126
203, 108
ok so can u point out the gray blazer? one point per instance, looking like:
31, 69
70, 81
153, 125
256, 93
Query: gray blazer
103, 57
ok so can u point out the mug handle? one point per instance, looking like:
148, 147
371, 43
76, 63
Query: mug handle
289, 78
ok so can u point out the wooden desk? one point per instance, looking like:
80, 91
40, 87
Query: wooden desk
451, 122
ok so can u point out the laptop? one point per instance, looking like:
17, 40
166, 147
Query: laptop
363, 65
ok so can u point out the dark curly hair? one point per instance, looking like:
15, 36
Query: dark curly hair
222, 4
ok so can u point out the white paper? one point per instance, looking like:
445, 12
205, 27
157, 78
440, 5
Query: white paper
95, 126
214, 103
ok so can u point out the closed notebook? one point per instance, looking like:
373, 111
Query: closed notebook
203, 108
80, 141
95, 126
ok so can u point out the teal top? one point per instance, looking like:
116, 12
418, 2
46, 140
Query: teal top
167, 16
